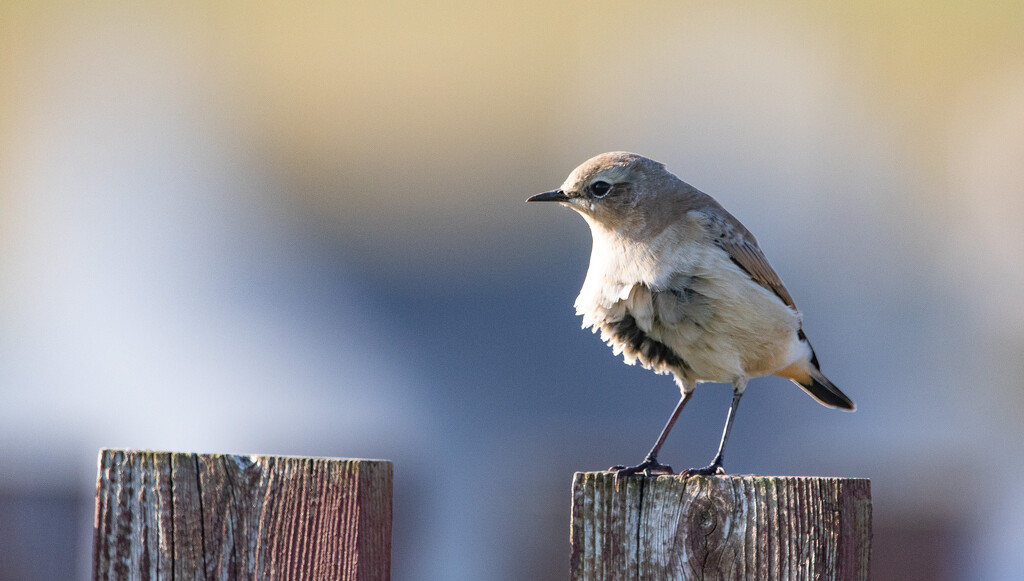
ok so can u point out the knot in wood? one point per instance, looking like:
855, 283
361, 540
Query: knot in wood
709, 516
705, 516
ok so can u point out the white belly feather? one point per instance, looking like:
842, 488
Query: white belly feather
693, 300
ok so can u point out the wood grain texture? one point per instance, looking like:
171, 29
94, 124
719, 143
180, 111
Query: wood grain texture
720, 527
162, 515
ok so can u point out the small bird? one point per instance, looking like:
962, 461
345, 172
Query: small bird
680, 285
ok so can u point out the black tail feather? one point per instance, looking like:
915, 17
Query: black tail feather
821, 389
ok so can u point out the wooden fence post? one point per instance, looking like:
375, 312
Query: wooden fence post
720, 527
163, 515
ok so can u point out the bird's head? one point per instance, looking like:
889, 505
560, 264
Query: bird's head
618, 191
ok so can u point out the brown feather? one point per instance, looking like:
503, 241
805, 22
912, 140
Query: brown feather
730, 235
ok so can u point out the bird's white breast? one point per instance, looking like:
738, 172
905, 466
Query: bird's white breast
685, 293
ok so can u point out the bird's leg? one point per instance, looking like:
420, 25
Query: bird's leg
650, 463
716, 465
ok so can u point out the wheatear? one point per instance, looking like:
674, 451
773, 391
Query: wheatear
678, 284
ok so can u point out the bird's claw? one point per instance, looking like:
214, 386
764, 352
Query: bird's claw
648, 467
713, 469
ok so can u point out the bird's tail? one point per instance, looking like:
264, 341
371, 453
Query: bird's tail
820, 388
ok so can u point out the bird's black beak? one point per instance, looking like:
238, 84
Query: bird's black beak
553, 196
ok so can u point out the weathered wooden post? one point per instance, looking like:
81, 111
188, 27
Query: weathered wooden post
162, 515
720, 527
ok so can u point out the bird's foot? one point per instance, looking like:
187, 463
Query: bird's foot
648, 467
713, 469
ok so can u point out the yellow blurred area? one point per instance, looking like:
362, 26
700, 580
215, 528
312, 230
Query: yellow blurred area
356, 99
342, 93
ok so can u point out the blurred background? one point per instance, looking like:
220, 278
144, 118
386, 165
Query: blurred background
298, 229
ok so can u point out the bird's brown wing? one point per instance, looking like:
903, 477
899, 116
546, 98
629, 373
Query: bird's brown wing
730, 235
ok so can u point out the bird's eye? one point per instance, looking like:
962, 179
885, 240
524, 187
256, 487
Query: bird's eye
600, 189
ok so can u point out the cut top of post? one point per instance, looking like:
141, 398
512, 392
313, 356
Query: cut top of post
164, 515
720, 527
